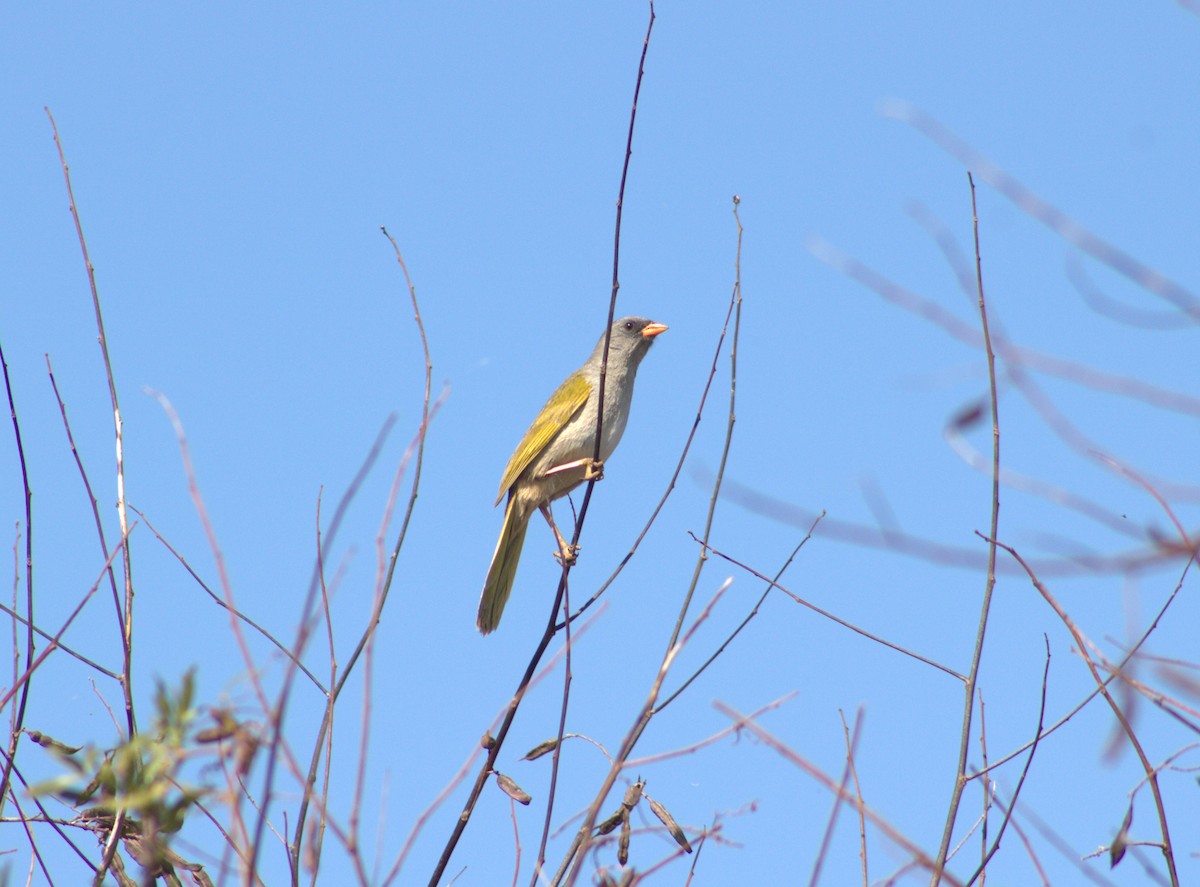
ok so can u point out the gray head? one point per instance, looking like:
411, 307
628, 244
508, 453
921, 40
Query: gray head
631, 339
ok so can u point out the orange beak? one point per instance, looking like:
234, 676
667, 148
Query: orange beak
650, 330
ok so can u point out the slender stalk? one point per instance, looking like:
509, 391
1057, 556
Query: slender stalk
960, 777
119, 429
496, 742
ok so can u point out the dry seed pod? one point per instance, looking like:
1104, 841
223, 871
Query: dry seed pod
623, 842
672, 826
53, 744
1121, 842
511, 789
612, 822
542, 748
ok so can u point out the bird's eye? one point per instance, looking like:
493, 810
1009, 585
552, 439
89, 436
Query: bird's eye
629, 324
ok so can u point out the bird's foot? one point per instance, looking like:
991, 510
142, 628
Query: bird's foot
566, 555
593, 469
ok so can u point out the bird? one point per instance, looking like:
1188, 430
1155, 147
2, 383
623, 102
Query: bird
556, 453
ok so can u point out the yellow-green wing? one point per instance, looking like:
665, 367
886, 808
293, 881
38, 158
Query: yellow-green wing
558, 411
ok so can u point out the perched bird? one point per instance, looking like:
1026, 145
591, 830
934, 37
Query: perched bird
556, 453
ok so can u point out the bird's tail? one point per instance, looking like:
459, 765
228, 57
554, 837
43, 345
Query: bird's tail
498, 585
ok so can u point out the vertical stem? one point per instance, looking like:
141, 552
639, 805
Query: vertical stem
960, 777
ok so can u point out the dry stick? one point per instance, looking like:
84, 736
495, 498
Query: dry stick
1148, 768
383, 572
1167, 704
53, 645
70, 651
771, 583
55, 824
830, 616
216, 598
1018, 363
716, 490
1087, 376
1107, 306
415, 453
122, 514
461, 823
37, 853
919, 856
827, 837
556, 757
990, 852
643, 762
317, 836
1051, 216
960, 777
1016, 369
275, 718
119, 819
1069, 853
583, 837
1017, 360
458, 777
87, 485
18, 717
1118, 669
583, 840
896, 541
415, 446
1025, 842
985, 788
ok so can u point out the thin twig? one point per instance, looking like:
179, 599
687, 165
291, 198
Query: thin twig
1051, 216
1101, 684
960, 778
771, 583
830, 616
498, 741
556, 757
991, 851
217, 599
118, 424
575, 855
919, 856
847, 770
18, 716
583, 838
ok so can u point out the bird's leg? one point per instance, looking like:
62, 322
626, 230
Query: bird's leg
593, 469
566, 551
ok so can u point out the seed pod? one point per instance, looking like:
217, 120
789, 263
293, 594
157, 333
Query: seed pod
623, 842
672, 826
1116, 852
511, 789
542, 748
611, 823
53, 744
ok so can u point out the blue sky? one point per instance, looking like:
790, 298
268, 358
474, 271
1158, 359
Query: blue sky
233, 163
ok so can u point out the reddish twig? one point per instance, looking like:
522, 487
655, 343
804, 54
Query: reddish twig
919, 856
